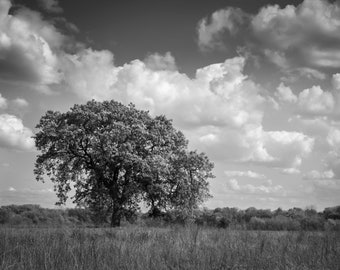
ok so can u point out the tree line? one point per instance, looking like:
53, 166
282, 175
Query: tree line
294, 219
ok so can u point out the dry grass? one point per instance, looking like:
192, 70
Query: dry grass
166, 248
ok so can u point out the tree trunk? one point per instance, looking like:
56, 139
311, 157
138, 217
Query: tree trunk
116, 217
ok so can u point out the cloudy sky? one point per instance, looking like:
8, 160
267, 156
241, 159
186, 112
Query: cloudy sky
254, 84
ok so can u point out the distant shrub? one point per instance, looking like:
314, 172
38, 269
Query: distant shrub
223, 222
4, 215
283, 223
176, 217
312, 224
256, 223
80, 215
332, 213
332, 225
278, 223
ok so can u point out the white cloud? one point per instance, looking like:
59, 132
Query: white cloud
267, 188
254, 139
298, 39
90, 74
221, 109
234, 185
333, 138
315, 126
288, 148
332, 185
220, 102
314, 174
20, 102
315, 100
307, 33
291, 171
221, 22
157, 61
28, 48
3, 102
336, 81
249, 174
333, 156
219, 95
278, 58
208, 139
12, 189
13, 134
284, 93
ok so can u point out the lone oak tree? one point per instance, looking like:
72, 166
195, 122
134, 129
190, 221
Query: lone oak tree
115, 156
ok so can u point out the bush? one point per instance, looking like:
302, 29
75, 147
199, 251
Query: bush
278, 223
4, 215
223, 222
312, 224
282, 223
80, 215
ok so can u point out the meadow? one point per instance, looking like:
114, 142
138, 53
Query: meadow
171, 247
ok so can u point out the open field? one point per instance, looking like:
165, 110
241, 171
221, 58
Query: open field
176, 247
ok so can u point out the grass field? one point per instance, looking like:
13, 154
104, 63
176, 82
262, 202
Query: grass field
166, 248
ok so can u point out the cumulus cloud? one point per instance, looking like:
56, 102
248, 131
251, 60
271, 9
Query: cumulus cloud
219, 102
90, 73
314, 174
288, 148
315, 100
3, 102
311, 101
284, 93
291, 171
220, 94
28, 48
221, 109
13, 134
157, 61
252, 144
267, 188
307, 33
225, 21
249, 174
20, 103
330, 185
18, 107
333, 138
303, 38
336, 81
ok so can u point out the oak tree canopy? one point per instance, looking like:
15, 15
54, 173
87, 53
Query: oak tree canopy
114, 157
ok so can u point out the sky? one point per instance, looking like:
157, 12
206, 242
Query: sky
253, 84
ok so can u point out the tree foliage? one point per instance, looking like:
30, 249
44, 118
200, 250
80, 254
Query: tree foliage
115, 156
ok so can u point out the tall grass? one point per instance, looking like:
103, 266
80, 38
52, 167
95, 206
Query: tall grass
189, 247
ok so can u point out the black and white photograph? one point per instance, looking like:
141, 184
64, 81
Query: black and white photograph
170, 134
